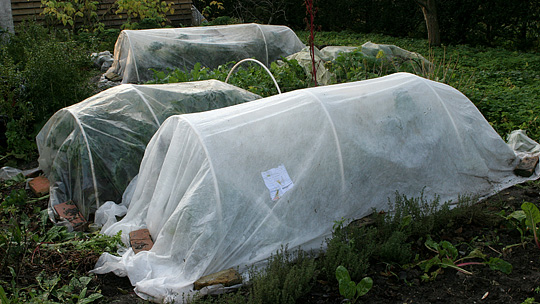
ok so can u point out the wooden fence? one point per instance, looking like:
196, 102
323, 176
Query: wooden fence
31, 9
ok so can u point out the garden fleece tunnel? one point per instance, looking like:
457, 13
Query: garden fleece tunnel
229, 187
90, 151
138, 52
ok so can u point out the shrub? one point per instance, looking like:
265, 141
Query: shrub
285, 279
351, 247
40, 74
396, 249
56, 75
73, 13
151, 12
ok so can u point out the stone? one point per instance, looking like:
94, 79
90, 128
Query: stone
140, 240
39, 186
106, 64
226, 278
112, 76
69, 211
526, 166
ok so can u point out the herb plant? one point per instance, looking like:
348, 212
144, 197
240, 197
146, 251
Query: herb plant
349, 289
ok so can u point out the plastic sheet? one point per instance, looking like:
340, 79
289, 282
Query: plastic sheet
138, 51
369, 49
91, 151
207, 184
9, 173
392, 51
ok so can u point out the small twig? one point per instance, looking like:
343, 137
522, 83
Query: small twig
494, 250
37, 250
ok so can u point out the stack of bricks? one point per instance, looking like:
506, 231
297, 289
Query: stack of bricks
68, 211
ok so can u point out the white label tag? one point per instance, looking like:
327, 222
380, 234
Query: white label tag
277, 180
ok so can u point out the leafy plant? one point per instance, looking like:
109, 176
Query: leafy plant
447, 256
70, 12
349, 289
155, 10
212, 9
289, 76
529, 301
527, 219
350, 247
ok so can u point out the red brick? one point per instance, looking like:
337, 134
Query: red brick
39, 186
526, 166
140, 234
140, 240
71, 213
141, 245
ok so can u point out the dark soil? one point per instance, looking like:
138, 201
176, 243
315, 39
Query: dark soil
395, 285
392, 284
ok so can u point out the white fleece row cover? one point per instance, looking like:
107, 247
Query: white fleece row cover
90, 151
334, 152
138, 51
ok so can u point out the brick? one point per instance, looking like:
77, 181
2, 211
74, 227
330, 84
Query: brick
71, 213
141, 245
140, 240
39, 186
227, 278
140, 234
526, 166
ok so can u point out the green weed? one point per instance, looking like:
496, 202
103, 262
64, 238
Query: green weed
447, 256
289, 76
348, 288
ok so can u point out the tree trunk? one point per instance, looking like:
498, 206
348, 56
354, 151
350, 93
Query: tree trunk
429, 8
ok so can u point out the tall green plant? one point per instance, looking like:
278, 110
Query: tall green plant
73, 13
154, 10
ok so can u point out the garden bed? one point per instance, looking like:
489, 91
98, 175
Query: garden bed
485, 229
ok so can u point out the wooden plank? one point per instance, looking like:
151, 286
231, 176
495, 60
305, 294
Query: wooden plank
26, 11
23, 5
20, 19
